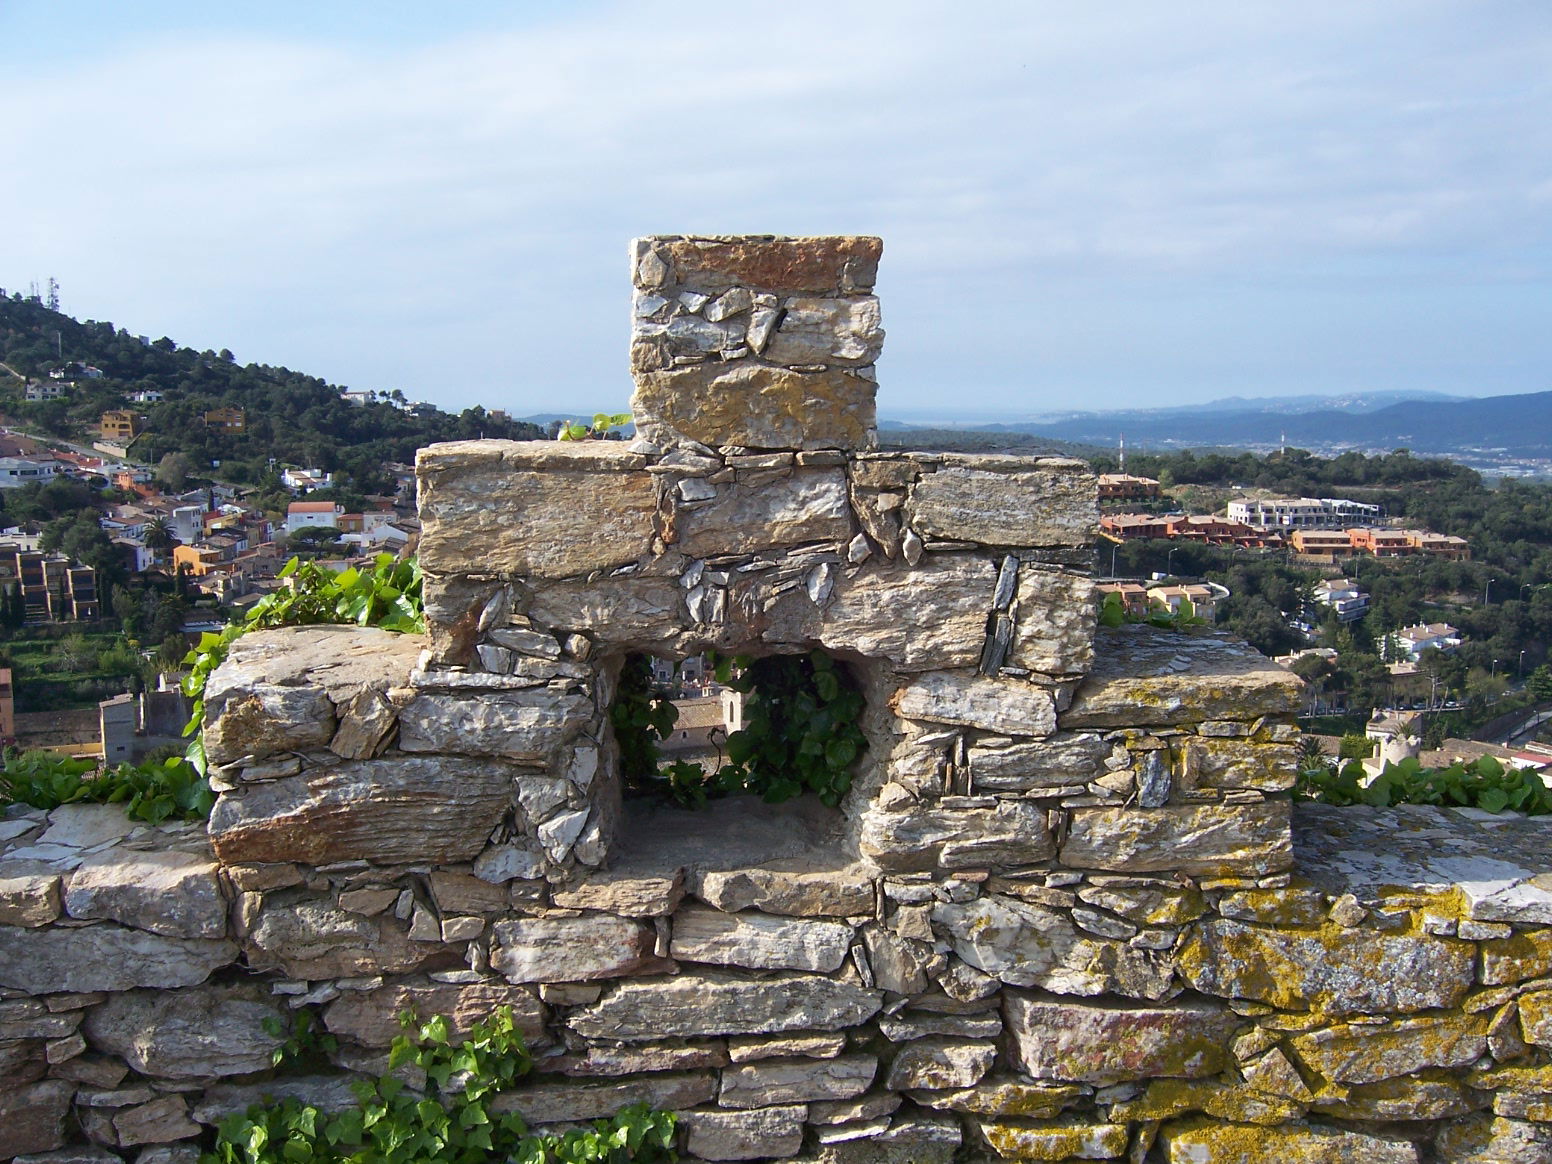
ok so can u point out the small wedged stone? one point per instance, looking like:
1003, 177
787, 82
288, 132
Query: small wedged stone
772, 1082
193, 1033
758, 941
940, 1063
571, 949
721, 1003
569, 1101
1337, 970
1092, 1042
371, 1017
105, 957
166, 892
1195, 1140
1207, 840
364, 726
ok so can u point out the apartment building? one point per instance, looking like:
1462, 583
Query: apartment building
1290, 513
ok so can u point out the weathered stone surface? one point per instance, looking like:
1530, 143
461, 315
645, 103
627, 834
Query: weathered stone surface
816, 330
161, 1121
371, 1017
771, 1082
897, 965
188, 1034
940, 1063
570, 949
763, 1134
801, 890
809, 506
803, 1044
1145, 676
1004, 1097
629, 1058
1168, 1098
998, 705
1014, 832
364, 726
1494, 1140
1204, 839
311, 939
633, 609
1025, 944
1195, 1141
519, 725
720, 1003
83, 826
919, 1024
105, 957
28, 1018
77, 1154
1365, 1054
756, 406
625, 893
568, 1102
29, 899
1403, 1099
166, 892
1067, 758
758, 941
32, 1117
1054, 1140
979, 499
1516, 958
330, 1093
1525, 901
457, 892
497, 504
1536, 1017
1339, 970
1208, 762
393, 811
819, 264
1104, 1043
1054, 631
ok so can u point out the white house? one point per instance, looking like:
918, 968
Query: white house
17, 471
1343, 596
302, 514
1414, 640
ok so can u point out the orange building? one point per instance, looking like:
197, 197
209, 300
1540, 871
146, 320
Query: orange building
233, 420
121, 425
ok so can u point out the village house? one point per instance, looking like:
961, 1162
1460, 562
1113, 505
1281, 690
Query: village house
1125, 487
305, 514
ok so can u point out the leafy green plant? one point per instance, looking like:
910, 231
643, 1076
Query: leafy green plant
603, 424
1483, 783
1113, 612
305, 1044
641, 715
451, 1123
153, 791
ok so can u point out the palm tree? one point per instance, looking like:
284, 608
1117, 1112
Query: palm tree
158, 536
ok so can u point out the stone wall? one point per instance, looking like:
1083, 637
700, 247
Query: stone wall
1067, 910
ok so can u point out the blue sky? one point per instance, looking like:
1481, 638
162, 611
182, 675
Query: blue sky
1083, 206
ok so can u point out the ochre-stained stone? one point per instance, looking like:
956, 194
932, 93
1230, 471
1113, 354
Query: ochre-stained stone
1206, 839
1365, 1054
371, 1017
630, 610
1332, 969
756, 406
1083, 1042
1054, 633
1167, 1098
1197, 1140
558, 511
1404, 1099
1523, 955
980, 500
1004, 1097
394, 811
1146, 676
813, 265
1536, 1017
1058, 1140
29, 899
1206, 762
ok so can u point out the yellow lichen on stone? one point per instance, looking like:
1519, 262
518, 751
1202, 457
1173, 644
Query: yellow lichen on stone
1054, 1141
1168, 1098
1517, 958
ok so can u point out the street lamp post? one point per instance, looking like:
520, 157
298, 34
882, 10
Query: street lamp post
1486, 590
1114, 546
1169, 562
1519, 668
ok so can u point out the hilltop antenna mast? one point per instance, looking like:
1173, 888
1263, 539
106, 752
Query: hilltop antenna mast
1284, 448
1121, 465
53, 294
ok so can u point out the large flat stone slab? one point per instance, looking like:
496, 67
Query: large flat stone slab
168, 892
722, 1003
371, 1017
1091, 1042
1050, 502
1203, 839
188, 1034
105, 957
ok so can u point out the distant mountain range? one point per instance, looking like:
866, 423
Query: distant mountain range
1425, 422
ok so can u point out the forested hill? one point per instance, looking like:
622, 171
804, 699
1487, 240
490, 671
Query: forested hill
291, 417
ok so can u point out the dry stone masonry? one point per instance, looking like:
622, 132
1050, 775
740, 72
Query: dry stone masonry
1067, 911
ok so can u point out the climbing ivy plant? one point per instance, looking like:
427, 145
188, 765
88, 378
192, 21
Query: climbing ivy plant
1483, 783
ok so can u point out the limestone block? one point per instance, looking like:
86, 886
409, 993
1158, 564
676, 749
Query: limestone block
570, 949
105, 957
1536, 1017
1103, 1043
816, 330
940, 1063
193, 1033
1147, 905
394, 810
1054, 1139
1073, 758
920, 1024
1525, 901
1196, 1140
1208, 839
770, 263
720, 1003
635, 610
913, 838
1025, 944
572, 1101
84, 826
161, 1121
1054, 631
976, 499
1486, 1139
497, 506
167, 892
809, 506
29, 899
32, 1117
1207, 762
629, 1058
756, 406
330, 1093
516, 725
1147, 676
763, 1134
795, 888
799, 1044
1402, 1099
758, 941
1365, 1054
771, 1082
371, 1017
1009, 706
1004, 1097
262, 719
1517, 957
312, 939
1333, 969
625, 893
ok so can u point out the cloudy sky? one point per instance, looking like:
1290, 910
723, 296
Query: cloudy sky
1093, 205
